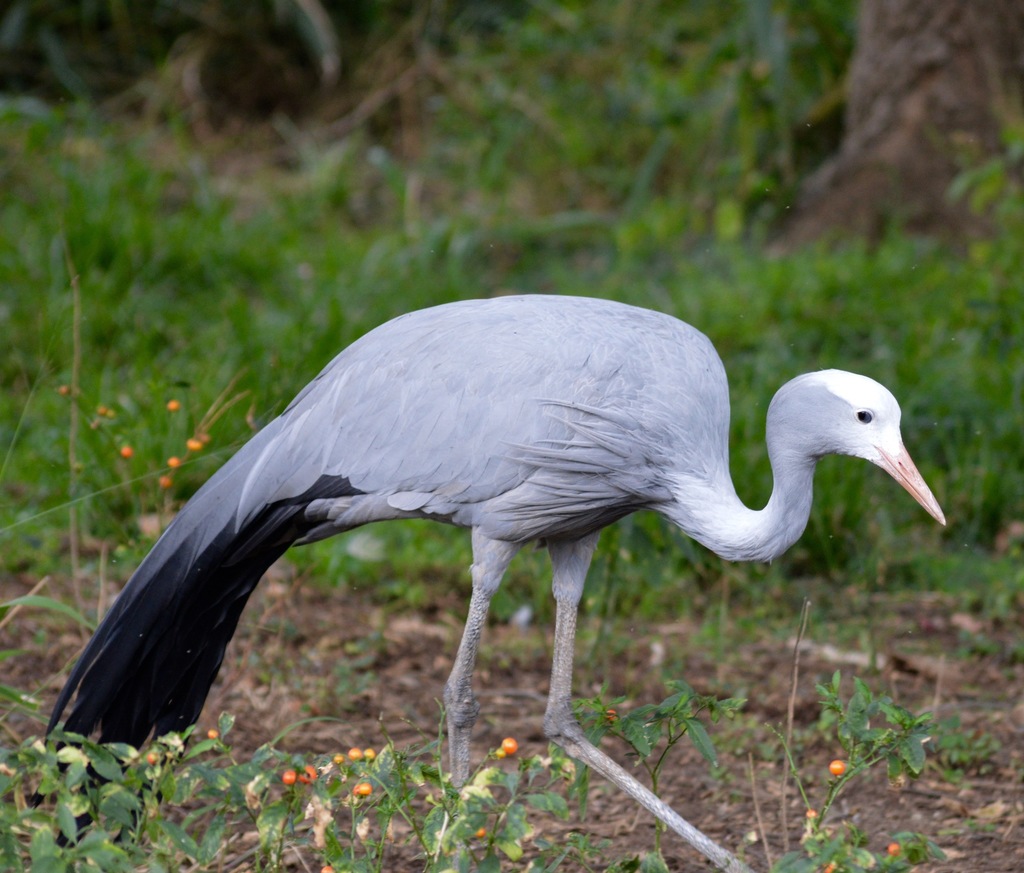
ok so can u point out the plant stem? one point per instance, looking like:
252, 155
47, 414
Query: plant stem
76, 369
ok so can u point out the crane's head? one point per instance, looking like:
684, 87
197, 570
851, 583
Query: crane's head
836, 412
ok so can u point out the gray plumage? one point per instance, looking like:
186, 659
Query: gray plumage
521, 418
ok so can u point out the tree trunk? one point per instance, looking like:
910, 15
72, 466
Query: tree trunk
930, 84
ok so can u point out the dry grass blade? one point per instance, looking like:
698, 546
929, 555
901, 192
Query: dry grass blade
757, 811
73, 424
221, 405
16, 609
790, 711
374, 101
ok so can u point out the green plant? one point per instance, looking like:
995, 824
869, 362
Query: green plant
12, 699
652, 731
180, 801
896, 739
959, 753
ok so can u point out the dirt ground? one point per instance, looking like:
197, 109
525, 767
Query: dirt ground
301, 652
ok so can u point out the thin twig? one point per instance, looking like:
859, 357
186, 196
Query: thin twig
805, 612
76, 369
941, 673
221, 404
373, 102
757, 813
16, 609
101, 598
300, 858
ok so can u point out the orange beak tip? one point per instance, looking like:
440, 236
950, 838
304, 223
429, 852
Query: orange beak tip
902, 468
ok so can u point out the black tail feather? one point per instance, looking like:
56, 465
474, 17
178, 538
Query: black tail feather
154, 657
153, 669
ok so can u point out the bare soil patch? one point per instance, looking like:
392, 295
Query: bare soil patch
303, 652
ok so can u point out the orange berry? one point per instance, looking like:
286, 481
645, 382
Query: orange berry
127, 451
893, 848
289, 777
812, 813
327, 868
339, 759
165, 482
509, 746
311, 772
173, 405
193, 444
610, 714
355, 754
837, 767
213, 733
174, 461
481, 833
500, 753
362, 789
831, 868
203, 437
369, 754
63, 390
152, 758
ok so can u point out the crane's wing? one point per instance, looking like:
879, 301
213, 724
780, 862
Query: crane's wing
485, 412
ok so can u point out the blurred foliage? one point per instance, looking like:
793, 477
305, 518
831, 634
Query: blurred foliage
199, 289
529, 107
257, 55
718, 105
629, 151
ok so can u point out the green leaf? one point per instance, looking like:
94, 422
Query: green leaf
515, 829
699, 736
45, 854
225, 723
270, 823
855, 722
490, 864
105, 764
19, 698
912, 751
894, 769
181, 840
548, 801
795, 862
121, 805
212, 839
432, 826
66, 821
641, 735
41, 602
580, 789
652, 862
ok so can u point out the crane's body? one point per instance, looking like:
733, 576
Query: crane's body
481, 414
522, 418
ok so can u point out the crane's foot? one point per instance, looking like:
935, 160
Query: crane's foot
562, 728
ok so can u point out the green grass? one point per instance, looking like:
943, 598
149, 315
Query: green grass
210, 294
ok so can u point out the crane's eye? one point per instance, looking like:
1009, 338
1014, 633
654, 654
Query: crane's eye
864, 417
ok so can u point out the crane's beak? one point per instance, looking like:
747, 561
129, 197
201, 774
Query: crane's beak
902, 468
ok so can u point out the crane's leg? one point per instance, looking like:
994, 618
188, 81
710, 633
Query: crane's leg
570, 561
490, 560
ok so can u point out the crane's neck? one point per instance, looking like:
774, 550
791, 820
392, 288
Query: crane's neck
709, 510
